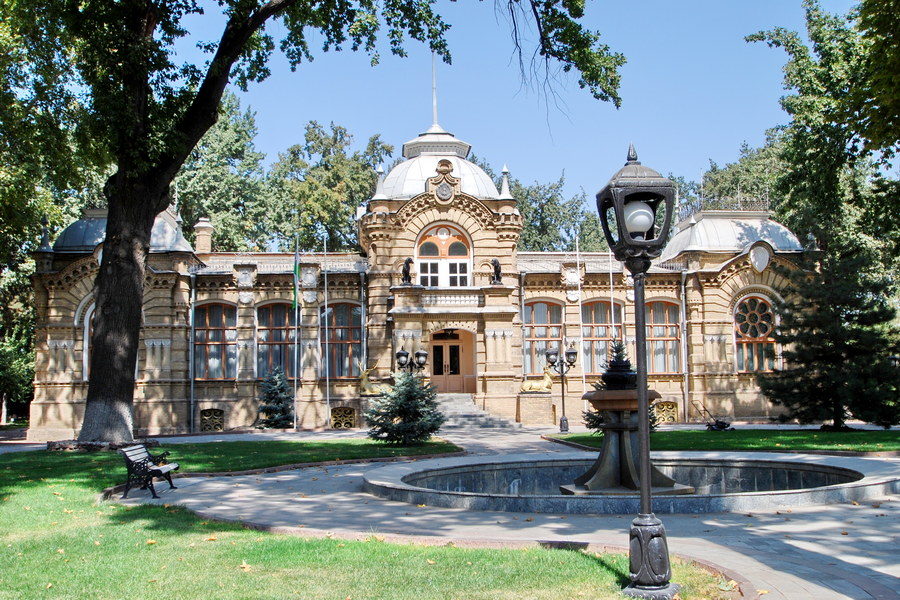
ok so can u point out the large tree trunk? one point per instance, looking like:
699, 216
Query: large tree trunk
119, 293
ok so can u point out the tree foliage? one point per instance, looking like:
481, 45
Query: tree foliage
276, 401
839, 343
876, 100
316, 187
144, 110
223, 179
835, 325
406, 415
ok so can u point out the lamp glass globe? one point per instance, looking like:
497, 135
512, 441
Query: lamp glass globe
638, 217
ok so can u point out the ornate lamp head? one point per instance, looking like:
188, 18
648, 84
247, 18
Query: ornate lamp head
636, 209
402, 358
421, 358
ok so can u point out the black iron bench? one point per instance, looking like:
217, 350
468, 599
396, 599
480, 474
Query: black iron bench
143, 467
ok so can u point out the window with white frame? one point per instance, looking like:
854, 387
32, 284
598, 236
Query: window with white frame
444, 258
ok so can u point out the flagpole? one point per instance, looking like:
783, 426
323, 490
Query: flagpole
296, 323
580, 318
325, 345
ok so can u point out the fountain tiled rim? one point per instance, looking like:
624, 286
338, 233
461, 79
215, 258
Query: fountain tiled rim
880, 477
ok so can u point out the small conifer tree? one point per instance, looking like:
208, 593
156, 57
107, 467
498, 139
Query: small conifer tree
406, 415
593, 419
277, 401
839, 342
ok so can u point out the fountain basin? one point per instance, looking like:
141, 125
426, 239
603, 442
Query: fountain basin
724, 482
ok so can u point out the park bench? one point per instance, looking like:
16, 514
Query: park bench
143, 467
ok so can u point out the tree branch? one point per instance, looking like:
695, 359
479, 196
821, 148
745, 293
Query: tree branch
203, 111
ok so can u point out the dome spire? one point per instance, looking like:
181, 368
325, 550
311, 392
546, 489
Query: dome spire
435, 126
505, 194
379, 187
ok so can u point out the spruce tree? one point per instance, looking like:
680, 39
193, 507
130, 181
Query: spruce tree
406, 415
277, 401
838, 342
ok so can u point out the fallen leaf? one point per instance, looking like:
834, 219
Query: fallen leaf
761, 592
151, 581
96, 543
855, 503
529, 519
57, 494
211, 538
49, 585
844, 533
244, 566
429, 561
876, 505
151, 542
420, 506
60, 551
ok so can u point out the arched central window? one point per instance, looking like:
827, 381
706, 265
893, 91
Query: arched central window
599, 328
754, 322
543, 330
444, 258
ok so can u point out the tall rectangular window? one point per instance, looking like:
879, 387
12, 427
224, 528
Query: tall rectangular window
215, 342
341, 339
662, 338
543, 330
600, 327
275, 337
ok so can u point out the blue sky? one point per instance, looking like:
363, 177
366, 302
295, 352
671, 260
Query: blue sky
692, 90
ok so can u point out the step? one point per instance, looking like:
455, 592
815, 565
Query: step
462, 413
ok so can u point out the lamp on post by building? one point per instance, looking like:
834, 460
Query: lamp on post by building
420, 358
562, 367
636, 209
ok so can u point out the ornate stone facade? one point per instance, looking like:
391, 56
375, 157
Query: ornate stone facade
215, 323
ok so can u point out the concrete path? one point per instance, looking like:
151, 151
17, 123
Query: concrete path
830, 552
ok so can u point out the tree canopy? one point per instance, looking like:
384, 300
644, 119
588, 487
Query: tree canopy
143, 109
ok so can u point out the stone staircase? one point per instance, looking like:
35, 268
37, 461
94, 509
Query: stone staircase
462, 413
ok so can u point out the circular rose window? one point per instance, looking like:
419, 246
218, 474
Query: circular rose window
754, 318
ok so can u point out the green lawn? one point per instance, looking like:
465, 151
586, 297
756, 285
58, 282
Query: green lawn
761, 439
217, 457
57, 542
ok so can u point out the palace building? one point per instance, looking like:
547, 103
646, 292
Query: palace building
215, 323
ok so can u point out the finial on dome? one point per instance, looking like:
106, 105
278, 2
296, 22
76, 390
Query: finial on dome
379, 187
632, 156
505, 194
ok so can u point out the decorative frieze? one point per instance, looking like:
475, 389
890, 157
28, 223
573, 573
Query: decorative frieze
431, 299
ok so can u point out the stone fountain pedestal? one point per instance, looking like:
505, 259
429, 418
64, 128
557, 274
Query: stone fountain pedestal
615, 472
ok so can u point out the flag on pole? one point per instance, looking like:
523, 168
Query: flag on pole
296, 274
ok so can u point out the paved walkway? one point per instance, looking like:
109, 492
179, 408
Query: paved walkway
830, 552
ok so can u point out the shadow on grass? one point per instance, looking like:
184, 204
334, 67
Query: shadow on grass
604, 562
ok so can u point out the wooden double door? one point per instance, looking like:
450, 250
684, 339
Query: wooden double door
452, 361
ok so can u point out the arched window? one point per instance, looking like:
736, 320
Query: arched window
215, 341
275, 336
754, 322
444, 258
341, 334
663, 338
600, 327
543, 329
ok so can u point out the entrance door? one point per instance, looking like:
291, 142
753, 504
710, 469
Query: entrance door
450, 361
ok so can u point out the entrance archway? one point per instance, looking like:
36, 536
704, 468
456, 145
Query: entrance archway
453, 361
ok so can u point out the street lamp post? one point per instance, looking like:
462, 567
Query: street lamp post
562, 367
420, 358
636, 214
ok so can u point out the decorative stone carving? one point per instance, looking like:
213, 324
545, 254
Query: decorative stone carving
573, 295
245, 296
244, 275
760, 257
310, 296
309, 276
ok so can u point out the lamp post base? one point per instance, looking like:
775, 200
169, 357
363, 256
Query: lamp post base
667, 592
563, 424
649, 558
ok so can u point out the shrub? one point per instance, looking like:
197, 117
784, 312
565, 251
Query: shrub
277, 401
406, 415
